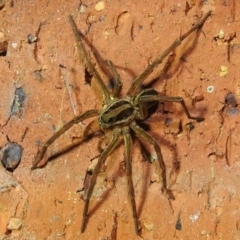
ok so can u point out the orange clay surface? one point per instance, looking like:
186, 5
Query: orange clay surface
203, 165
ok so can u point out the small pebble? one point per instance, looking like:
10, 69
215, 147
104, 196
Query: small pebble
223, 71
82, 8
31, 38
100, 6
91, 19
148, 226
14, 224
203, 76
178, 225
10, 155
230, 99
14, 45
221, 34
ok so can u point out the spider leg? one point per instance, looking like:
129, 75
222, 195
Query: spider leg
77, 119
84, 57
101, 160
118, 83
138, 80
105, 139
128, 161
92, 129
162, 98
141, 134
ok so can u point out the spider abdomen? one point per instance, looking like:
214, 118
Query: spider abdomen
120, 112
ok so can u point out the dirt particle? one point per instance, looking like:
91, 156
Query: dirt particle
223, 71
150, 15
178, 224
91, 19
38, 75
31, 38
14, 45
203, 76
82, 8
168, 122
100, 6
148, 225
203, 232
189, 127
14, 224
194, 217
221, 34
231, 100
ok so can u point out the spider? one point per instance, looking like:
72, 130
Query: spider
120, 117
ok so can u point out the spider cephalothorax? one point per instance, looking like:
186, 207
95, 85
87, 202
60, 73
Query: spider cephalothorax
120, 117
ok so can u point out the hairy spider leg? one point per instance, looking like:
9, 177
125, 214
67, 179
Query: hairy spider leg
75, 120
128, 161
139, 79
85, 58
105, 139
162, 98
101, 160
118, 83
92, 128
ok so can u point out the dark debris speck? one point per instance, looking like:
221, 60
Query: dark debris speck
18, 102
31, 38
178, 225
231, 100
3, 48
10, 156
189, 126
168, 122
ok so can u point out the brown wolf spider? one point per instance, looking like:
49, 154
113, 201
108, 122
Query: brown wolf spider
120, 117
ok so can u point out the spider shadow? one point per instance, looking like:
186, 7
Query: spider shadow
168, 71
116, 175
67, 149
176, 59
103, 65
163, 75
146, 179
